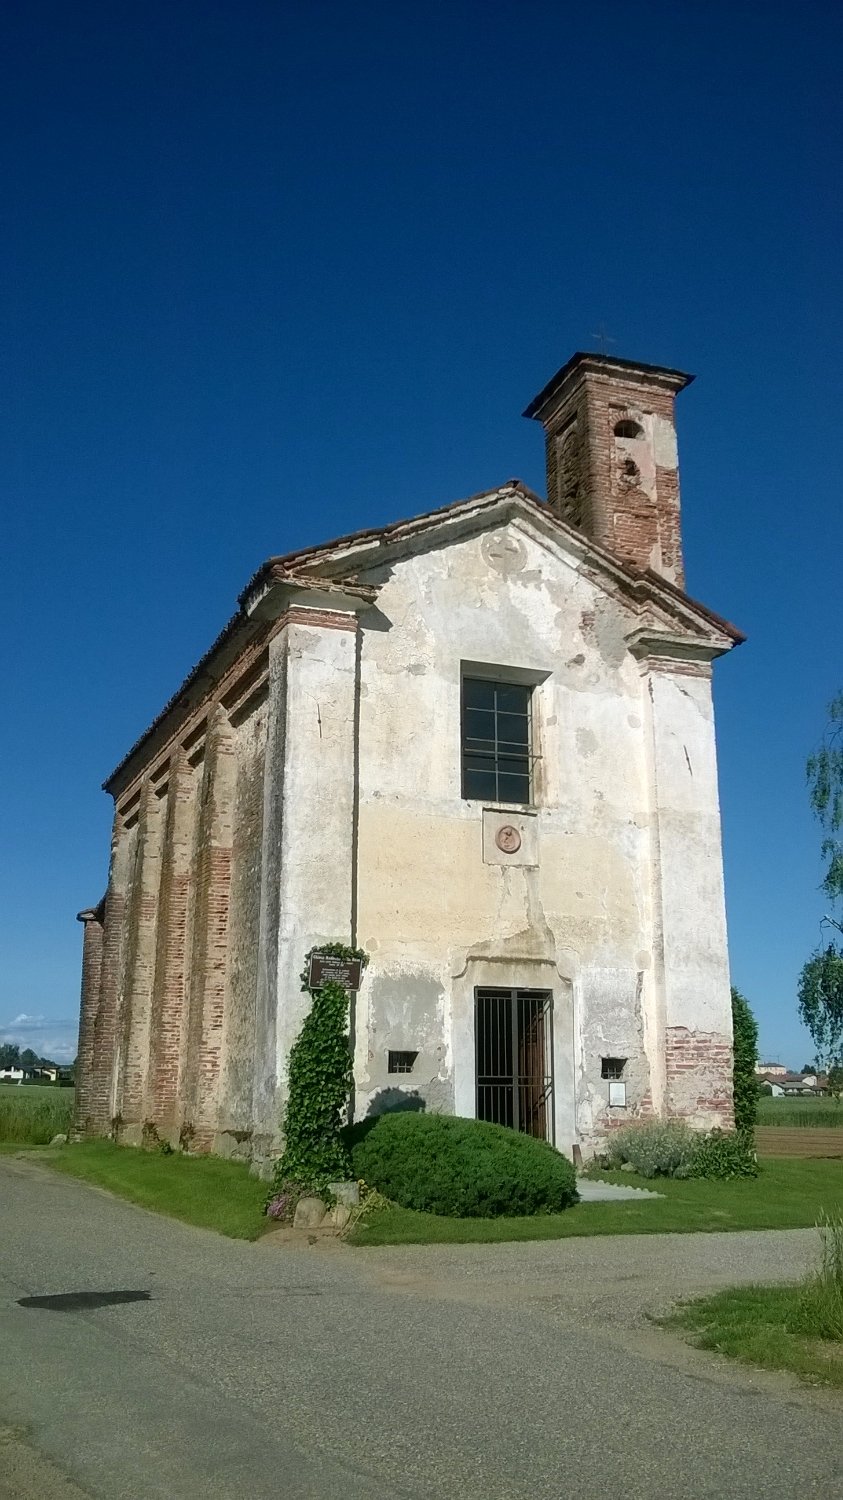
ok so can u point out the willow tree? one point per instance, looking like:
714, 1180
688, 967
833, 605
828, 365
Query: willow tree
821, 980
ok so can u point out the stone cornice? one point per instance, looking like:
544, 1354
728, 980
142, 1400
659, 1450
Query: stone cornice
278, 589
646, 643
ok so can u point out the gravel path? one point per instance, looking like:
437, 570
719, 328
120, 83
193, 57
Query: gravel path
611, 1280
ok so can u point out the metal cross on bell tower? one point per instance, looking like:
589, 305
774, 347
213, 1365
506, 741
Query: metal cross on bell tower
603, 338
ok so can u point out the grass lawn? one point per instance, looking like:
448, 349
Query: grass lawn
762, 1325
222, 1195
785, 1195
201, 1190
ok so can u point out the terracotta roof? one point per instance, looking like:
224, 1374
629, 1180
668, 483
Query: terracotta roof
292, 566
383, 533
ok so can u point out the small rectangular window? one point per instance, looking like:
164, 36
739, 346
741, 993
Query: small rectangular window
612, 1067
496, 740
402, 1062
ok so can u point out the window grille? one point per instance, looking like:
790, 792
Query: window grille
612, 1067
497, 754
402, 1062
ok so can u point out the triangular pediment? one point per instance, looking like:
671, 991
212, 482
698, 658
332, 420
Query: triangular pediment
657, 609
342, 575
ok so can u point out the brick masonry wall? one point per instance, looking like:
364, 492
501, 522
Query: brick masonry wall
171, 939
699, 1077
161, 1006
139, 966
586, 483
202, 1028
99, 1085
91, 975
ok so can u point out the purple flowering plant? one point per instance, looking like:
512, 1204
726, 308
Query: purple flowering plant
282, 1205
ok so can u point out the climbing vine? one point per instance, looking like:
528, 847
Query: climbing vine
320, 1083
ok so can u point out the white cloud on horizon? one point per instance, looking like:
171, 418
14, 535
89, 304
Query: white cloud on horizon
55, 1038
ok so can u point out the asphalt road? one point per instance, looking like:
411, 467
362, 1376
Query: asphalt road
466, 1371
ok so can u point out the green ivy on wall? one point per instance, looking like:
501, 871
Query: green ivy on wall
320, 1083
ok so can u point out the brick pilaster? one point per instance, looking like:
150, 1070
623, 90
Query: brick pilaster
139, 966
91, 976
105, 1028
170, 949
203, 1033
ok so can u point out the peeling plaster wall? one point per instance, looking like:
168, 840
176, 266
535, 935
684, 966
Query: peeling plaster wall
235, 1121
691, 900
309, 838
438, 921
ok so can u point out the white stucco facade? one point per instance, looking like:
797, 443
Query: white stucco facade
614, 902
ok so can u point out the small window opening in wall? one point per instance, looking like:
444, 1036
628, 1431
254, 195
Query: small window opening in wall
628, 429
402, 1062
630, 468
612, 1067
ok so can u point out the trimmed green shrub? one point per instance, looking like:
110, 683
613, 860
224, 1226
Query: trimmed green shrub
657, 1148
442, 1164
744, 1080
725, 1153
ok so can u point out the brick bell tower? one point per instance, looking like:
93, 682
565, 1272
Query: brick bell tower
612, 464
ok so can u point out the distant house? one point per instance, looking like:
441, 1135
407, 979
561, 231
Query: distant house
783, 1083
45, 1072
769, 1070
14, 1074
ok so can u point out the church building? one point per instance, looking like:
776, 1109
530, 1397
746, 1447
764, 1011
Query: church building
479, 745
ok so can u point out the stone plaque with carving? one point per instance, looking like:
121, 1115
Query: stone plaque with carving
510, 837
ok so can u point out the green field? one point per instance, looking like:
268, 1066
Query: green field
31, 1115
823, 1114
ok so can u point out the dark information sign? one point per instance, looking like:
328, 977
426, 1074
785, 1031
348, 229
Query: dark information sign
328, 968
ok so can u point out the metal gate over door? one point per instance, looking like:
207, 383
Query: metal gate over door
515, 1059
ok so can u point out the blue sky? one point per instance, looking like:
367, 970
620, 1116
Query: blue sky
274, 271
